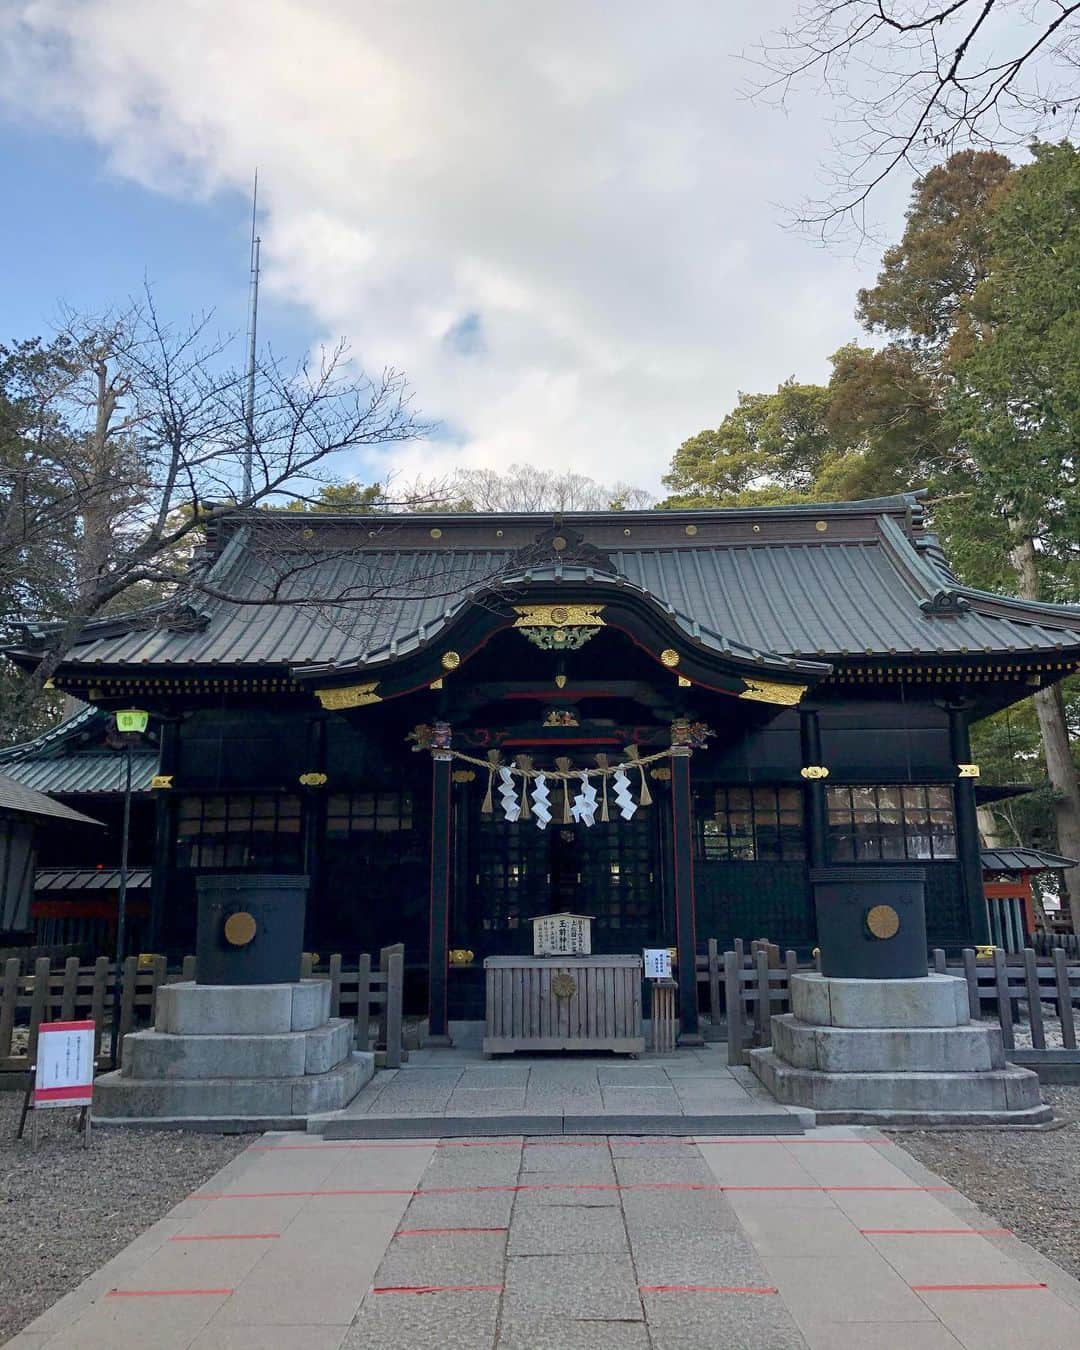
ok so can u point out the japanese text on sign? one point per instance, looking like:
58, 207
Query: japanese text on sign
65, 1064
657, 963
562, 935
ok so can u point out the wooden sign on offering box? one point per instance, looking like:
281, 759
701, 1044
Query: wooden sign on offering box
562, 935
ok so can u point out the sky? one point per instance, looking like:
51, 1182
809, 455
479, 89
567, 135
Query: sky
562, 220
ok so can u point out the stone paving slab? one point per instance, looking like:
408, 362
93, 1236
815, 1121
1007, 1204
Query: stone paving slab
601, 1242
599, 1287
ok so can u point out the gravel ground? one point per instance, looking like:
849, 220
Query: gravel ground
1026, 1180
65, 1210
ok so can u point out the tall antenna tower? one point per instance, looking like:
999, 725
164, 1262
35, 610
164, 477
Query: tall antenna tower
253, 318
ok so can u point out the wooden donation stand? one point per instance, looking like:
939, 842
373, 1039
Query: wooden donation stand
562, 997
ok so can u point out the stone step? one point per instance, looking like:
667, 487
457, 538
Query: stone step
931, 1001
144, 1099
190, 1009
291, 1054
967, 1049
1000, 1090
372, 1126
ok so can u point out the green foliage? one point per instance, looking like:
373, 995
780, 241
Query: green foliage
927, 278
1015, 403
771, 448
348, 498
975, 396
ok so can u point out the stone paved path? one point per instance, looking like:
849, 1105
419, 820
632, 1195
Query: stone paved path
833, 1240
458, 1083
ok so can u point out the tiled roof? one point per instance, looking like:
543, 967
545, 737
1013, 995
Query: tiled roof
799, 583
1022, 860
87, 773
89, 878
24, 801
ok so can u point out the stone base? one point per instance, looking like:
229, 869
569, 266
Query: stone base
893, 1051
190, 1009
235, 1054
142, 1100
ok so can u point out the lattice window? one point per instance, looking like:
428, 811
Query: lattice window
761, 824
234, 829
359, 812
871, 824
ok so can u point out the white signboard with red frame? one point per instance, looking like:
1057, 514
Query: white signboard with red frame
65, 1064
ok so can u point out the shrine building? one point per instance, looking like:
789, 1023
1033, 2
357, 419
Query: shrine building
666, 720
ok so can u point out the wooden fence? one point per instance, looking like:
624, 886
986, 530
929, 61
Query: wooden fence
70, 992
1016, 990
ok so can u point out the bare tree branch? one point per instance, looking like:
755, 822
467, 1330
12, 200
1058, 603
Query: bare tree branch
912, 81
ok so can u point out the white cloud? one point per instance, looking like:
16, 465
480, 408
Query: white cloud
576, 186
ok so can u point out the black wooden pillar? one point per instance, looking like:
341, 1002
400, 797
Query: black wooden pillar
313, 806
815, 815
967, 829
682, 869
164, 830
438, 944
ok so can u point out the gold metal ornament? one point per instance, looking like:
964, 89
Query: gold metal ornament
451, 660
813, 771
558, 616
683, 682
312, 779
240, 928
669, 657
463, 775
882, 921
161, 780
560, 681
349, 696
563, 985
967, 770
461, 956
770, 691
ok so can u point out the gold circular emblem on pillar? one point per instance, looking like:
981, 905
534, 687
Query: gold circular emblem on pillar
669, 657
563, 985
451, 660
883, 921
240, 928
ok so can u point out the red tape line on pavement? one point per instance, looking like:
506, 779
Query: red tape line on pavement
438, 1289
163, 1293
425, 1232
936, 1232
551, 1186
704, 1289
288, 1195
311, 1148
734, 1139
221, 1237
513, 1143
976, 1288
